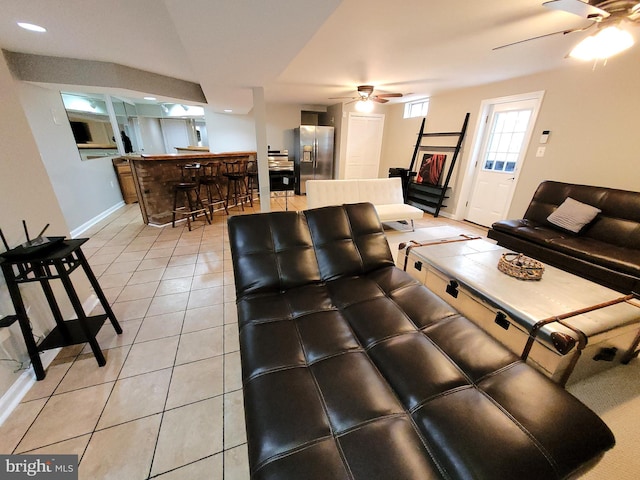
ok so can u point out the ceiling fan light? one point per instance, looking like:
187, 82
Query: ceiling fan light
606, 43
364, 106
32, 27
585, 50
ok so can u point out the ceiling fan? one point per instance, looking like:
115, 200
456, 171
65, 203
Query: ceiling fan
365, 92
601, 12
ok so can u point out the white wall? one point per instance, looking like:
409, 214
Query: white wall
176, 133
151, 139
339, 145
229, 132
84, 189
592, 115
399, 140
281, 120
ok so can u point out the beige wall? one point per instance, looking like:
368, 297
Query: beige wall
84, 189
592, 114
26, 194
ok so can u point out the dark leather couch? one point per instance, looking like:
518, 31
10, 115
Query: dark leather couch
606, 251
353, 370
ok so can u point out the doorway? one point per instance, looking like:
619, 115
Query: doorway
364, 145
500, 147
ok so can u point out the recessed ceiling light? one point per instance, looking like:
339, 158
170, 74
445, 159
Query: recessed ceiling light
150, 98
31, 27
227, 110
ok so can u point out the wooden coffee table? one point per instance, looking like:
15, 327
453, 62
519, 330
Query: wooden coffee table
564, 325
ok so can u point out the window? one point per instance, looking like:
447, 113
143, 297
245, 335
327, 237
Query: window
416, 109
505, 141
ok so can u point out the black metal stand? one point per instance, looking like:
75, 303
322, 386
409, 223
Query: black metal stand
56, 262
282, 181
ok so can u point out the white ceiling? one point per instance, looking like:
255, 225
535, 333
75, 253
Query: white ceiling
301, 51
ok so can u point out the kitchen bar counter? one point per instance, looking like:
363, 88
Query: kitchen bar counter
191, 148
155, 175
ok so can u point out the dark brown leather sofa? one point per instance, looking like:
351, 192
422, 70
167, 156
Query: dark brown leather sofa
606, 251
353, 370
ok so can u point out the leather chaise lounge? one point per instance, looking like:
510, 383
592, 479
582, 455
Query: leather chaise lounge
353, 370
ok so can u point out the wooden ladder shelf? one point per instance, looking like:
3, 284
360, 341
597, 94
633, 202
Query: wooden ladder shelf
427, 197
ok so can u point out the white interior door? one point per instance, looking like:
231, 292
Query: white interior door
505, 142
364, 145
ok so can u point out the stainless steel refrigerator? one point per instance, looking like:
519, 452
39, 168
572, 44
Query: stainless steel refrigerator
313, 158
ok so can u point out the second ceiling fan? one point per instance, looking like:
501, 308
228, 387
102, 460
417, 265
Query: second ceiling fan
365, 92
602, 13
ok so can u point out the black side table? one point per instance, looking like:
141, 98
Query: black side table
55, 261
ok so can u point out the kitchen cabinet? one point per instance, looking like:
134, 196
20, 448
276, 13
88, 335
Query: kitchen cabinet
125, 179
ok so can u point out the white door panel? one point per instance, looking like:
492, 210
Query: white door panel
364, 144
505, 142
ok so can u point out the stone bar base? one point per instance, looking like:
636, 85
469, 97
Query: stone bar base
155, 175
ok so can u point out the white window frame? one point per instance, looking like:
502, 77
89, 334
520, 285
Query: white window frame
418, 108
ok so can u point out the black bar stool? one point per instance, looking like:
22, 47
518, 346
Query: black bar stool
189, 186
236, 174
252, 178
210, 179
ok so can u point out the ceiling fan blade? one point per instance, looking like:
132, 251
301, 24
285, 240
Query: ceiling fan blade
577, 7
564, 32
377, 99
389, 95
340, 98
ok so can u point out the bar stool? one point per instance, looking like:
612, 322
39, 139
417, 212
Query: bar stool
252, 178
236, 174
189, 186
211, 181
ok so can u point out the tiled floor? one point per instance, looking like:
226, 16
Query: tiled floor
168, 403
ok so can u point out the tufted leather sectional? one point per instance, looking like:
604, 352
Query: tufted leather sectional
606, 251
353, 370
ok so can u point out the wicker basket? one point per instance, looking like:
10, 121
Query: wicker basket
519, 266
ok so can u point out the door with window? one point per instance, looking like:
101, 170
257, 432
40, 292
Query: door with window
506, 137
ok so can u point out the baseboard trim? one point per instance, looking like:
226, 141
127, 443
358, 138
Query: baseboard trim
17, 391
87, 225
447, 215
12, 397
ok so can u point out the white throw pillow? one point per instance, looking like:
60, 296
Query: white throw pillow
573, 215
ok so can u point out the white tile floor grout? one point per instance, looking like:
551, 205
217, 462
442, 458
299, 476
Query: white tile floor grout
168, 403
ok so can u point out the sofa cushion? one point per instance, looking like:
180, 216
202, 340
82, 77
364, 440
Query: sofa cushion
384, 193
322, 193
617, 258
278, 250
573, 215
528, 230
380, 190
348, 240
395, 211
616, 231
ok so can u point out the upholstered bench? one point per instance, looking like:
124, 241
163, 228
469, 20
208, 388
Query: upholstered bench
384, 193
354, 370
